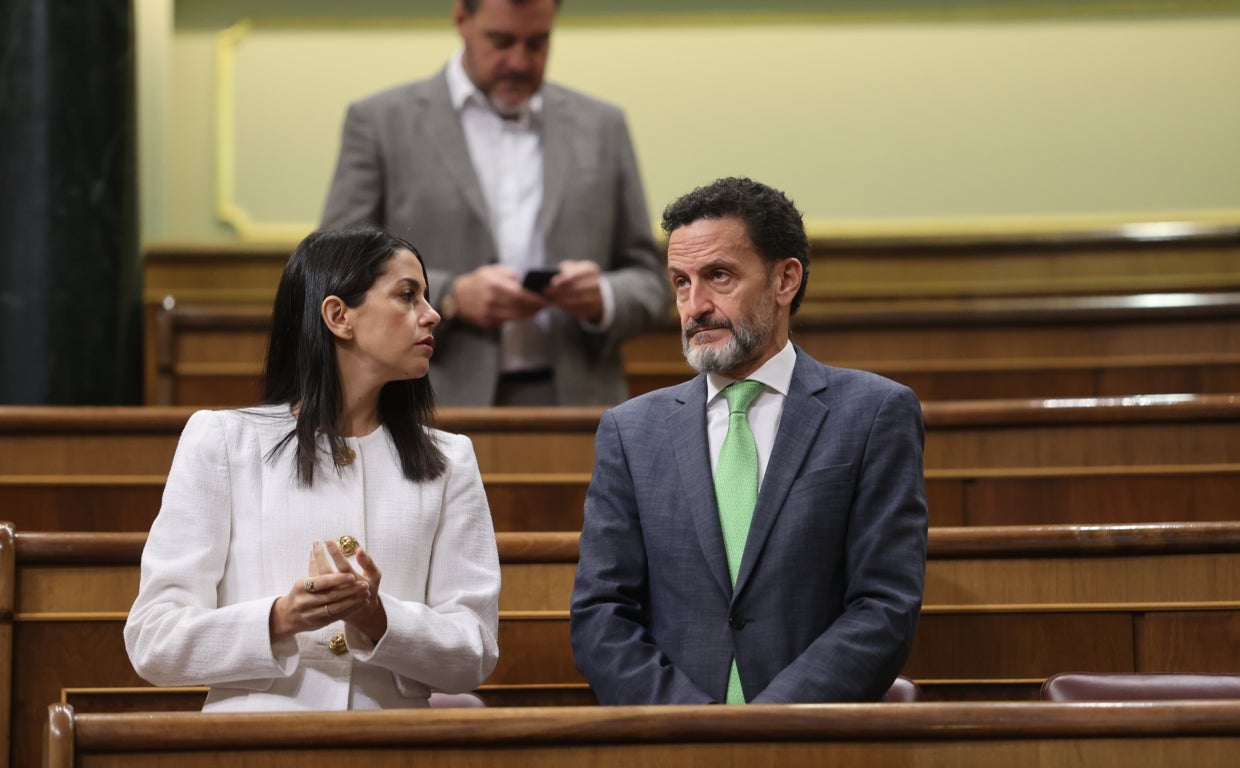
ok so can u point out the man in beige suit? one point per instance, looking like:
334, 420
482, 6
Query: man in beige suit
492, 174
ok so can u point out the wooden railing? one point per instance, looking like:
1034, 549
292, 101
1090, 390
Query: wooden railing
945, 349
539, 501
965, 735
993, 434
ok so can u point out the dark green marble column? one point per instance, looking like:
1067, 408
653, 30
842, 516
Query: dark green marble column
69, 277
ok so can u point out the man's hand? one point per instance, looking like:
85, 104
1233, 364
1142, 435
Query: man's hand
491, 295
576, 290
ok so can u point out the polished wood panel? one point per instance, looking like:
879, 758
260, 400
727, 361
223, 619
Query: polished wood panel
538, 501
1011, 734
134, 699
1001, 645
73, 502
1141, 494
535, 650
91, 502
1165, 638
1083, 432
1079, 432
50, 440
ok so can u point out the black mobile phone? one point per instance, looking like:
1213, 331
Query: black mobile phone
536, 280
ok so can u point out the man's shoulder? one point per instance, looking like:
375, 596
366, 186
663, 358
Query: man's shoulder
851, 386
859, 378
816, 374
402, 93
656, 403
580, 101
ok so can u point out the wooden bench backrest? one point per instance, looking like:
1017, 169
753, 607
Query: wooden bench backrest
1106, 432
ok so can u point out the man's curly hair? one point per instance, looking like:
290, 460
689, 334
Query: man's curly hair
772, 222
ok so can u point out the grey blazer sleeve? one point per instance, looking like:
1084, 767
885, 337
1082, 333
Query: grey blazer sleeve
356, 193
864, 648
636, 270
611, 643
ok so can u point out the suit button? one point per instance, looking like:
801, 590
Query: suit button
348, 545
337, 645
735, 622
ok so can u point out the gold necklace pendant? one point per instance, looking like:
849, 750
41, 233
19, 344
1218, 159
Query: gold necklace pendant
344, 457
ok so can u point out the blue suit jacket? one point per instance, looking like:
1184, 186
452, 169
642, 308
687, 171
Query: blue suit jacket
829, 591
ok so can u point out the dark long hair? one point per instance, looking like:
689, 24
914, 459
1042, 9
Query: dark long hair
301, 354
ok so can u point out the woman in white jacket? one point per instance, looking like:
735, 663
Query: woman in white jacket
261, 575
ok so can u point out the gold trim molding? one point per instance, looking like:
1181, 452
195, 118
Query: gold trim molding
227, 209
251, 230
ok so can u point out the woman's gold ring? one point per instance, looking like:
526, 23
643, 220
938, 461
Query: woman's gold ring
327, 609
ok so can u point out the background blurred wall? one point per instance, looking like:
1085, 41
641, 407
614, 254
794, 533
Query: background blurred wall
971, 116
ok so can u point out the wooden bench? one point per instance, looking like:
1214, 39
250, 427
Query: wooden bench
1004, 608
50, 440
1057, 346
536, 501
990, 434
848, 274
1020, 735
91, 502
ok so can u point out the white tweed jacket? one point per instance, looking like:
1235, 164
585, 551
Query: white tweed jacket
235, 532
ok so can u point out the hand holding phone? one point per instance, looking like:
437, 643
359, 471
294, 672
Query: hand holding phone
537, 280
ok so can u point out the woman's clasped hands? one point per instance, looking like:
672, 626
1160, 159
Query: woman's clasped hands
332, 591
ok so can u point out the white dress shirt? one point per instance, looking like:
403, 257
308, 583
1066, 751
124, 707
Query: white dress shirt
764, 412
508, 160
507, 156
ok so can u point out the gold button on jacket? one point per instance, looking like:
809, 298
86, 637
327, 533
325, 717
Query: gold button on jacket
348, 545
337, 645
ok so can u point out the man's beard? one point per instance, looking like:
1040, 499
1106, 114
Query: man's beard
746, 340
503, 108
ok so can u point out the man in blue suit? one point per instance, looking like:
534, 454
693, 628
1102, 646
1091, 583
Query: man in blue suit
812, 592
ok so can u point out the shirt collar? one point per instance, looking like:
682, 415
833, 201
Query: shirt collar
775, 373
463, 93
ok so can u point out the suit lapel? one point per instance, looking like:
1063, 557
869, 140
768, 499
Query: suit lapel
689, 442
558, 129
799, 427
440, 128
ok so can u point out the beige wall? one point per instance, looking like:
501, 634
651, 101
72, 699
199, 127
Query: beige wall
872, 127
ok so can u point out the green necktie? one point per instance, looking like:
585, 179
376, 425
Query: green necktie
736, 490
